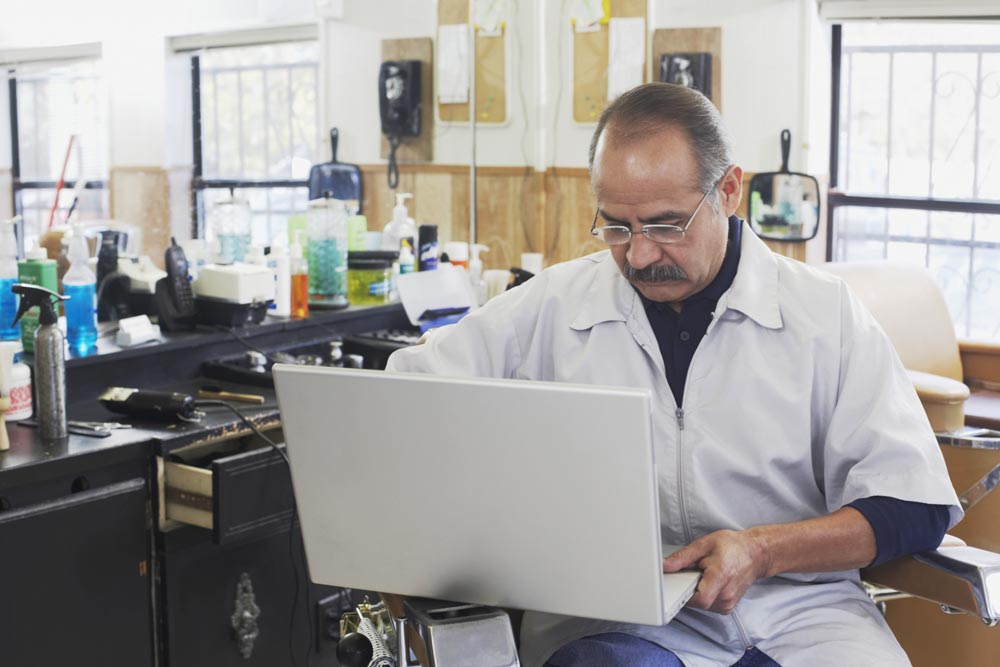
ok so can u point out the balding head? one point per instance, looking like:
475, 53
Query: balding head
656, 107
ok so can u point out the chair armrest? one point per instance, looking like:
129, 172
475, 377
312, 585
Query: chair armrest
980, 362
958, 577
943, 400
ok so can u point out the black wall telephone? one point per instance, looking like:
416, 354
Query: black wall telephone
399, 106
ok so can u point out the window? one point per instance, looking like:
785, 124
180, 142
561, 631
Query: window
915, 163
50, 102
256, 130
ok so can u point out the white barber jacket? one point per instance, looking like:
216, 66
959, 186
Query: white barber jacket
795, 405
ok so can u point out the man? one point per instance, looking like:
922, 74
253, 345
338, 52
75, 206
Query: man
793, 448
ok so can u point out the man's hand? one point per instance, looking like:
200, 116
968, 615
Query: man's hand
730, 562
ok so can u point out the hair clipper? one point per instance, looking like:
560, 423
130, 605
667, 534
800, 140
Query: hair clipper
147, 404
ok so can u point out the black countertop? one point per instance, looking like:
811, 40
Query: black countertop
174, 365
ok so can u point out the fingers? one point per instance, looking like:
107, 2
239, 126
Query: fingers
727, 570
688, 556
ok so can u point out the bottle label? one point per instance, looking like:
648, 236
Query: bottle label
429, 256
20, 402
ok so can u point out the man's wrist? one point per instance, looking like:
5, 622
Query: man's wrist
761, 550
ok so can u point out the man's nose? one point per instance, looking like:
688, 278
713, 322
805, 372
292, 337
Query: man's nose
642, 252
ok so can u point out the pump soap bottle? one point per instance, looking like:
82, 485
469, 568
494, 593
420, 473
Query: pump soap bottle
400, 227
50, 361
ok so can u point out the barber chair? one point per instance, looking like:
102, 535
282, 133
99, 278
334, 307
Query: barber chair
958, 383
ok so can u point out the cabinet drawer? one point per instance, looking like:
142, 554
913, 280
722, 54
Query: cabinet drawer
239, 497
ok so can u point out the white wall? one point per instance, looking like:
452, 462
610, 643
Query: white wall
773, 56
133, 34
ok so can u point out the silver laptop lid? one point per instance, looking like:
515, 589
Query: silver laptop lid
532, 495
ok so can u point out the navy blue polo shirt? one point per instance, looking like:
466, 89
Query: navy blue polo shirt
901, 527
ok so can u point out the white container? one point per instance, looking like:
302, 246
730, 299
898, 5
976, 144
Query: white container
236, 283
280, 265
20, 392
458, 253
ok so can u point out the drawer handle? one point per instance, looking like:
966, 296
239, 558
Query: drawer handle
244, 618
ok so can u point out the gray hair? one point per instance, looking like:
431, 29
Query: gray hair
657, 106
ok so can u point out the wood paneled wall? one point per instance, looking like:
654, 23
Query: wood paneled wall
517, 208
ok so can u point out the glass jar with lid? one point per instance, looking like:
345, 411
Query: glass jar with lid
326, 227
228, 222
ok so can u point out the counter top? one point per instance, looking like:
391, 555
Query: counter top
171, 365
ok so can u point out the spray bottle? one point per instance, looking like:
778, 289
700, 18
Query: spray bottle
476, 273
50, 361
80, 289
8, 276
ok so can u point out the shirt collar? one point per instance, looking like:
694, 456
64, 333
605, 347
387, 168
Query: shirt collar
754, 291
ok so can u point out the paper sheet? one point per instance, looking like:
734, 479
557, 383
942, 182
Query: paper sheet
490, 16
626, 54
426, 290
587, 15
453, 64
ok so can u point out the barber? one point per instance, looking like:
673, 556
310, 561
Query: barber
792, 447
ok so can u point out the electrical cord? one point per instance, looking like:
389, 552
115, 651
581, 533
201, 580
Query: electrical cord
291, 528
250, 346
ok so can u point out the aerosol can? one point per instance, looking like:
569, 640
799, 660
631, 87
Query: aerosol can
50, 360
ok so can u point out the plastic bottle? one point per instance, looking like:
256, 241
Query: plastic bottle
406, 263
299, 270
8, 276
80, 288
19, 389
50, 361
357, 229
35, 269
400, 227
427, 246
476, 273
280, 266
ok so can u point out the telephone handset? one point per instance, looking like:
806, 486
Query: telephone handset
174, 297
399, 106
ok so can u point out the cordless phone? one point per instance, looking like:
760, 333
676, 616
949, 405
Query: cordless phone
178, 279
174, 298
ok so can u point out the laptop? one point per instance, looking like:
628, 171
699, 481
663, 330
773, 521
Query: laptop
510, 493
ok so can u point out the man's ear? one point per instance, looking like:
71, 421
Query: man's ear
731, 188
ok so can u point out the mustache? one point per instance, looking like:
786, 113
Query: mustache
654, 273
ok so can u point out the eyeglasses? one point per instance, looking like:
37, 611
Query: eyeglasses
658, 233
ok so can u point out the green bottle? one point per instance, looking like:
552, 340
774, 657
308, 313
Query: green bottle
35, 269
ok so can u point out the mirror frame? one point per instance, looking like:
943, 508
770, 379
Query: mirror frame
755, 225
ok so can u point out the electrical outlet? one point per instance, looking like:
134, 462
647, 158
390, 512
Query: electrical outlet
328, 613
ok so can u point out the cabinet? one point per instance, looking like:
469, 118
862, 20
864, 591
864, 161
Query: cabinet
76, 580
